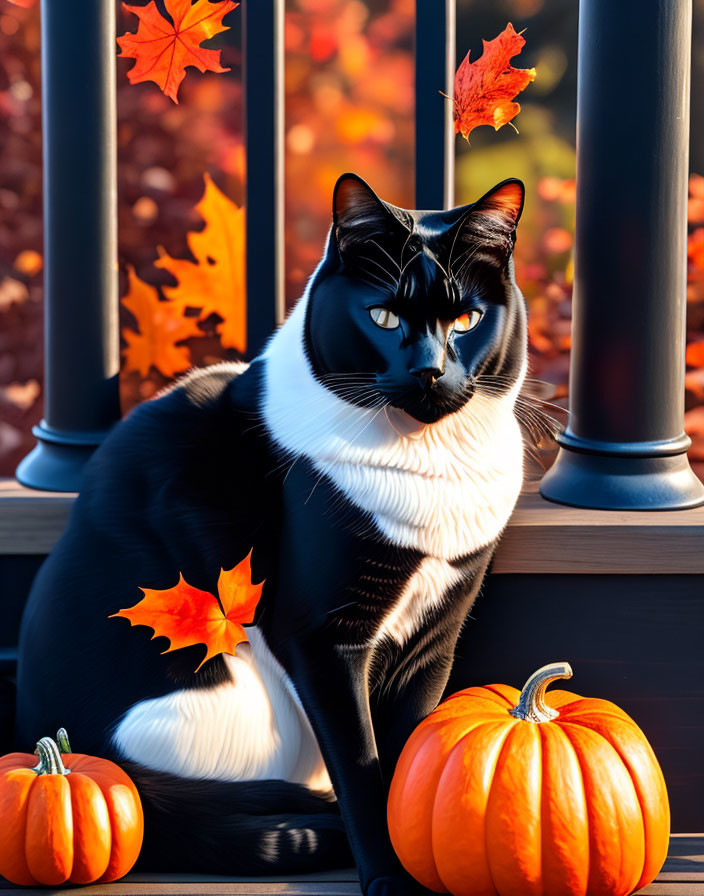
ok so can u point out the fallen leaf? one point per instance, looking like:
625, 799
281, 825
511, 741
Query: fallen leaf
186, 615
484, 89
25, 4
164, 50
161, 326
215, 283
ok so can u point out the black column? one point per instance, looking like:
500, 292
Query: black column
435, 132
263, 50
625, 446
81, 365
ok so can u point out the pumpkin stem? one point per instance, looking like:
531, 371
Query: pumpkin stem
532, 706
50, 762
62, 741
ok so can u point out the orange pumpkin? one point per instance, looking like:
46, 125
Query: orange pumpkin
80, 821
527, 794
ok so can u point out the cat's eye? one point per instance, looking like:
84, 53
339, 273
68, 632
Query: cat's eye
383, 318
467, 321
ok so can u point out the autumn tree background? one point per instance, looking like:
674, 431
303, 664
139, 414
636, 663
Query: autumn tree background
349, 106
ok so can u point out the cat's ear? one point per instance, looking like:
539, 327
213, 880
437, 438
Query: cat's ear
490, 223
357, 212
354, 203
500, 209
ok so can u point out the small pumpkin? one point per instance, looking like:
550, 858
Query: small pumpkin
66, 818
527, 793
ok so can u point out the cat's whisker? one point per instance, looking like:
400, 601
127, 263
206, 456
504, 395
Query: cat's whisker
382, 249
468, 257
403, 248
437, 262
412, 258
381, 267
470, 250
325, 377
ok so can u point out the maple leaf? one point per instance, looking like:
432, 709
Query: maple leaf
186, 615
164, 50
484, 89
215, 283
25, 4
161, 325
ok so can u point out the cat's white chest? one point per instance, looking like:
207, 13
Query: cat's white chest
424, 591
447, 491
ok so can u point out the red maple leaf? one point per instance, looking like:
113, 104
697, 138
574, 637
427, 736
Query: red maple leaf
484, 89
186, 615
164, 50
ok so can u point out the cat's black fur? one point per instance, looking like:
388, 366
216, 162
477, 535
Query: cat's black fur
191, 481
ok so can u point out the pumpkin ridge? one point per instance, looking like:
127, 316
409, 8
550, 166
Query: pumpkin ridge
573, 710
542, 806
586, 799
634, 778
640, 801
86, 853
492, 787
584, 721
498, 724
21, 875
463, 703
493, 689
622, 852
461, 695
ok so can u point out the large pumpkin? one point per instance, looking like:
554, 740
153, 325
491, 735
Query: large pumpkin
66, 818
529, 794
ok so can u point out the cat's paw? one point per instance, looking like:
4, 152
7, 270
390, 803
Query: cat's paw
395, 886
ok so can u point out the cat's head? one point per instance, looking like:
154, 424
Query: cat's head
418, 309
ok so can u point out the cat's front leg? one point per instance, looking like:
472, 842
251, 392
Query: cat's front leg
332, 683
401, 711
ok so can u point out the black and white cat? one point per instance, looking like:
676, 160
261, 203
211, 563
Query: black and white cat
371, 455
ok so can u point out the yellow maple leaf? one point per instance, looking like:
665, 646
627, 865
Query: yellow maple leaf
161, 326
215, 282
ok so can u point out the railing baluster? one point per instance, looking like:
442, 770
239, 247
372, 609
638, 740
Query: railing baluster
625, 446
435, 133
81, 364
263, 51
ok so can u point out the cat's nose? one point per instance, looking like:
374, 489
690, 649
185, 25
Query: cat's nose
428, 376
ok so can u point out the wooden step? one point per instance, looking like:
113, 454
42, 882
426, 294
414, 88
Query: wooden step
682, 875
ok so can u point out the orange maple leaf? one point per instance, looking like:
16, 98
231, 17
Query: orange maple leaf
186, 615
484, 89
215, 283
25, 4
161, 326
164, 50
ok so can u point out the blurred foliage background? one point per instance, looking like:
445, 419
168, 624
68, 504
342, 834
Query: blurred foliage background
349, 106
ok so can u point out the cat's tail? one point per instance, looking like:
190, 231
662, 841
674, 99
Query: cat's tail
241, 828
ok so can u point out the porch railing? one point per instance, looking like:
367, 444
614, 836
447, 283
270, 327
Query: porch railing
624, 447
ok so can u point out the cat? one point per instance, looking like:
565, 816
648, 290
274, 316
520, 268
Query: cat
371, 456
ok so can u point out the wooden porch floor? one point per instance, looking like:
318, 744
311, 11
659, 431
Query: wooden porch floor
682, 875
